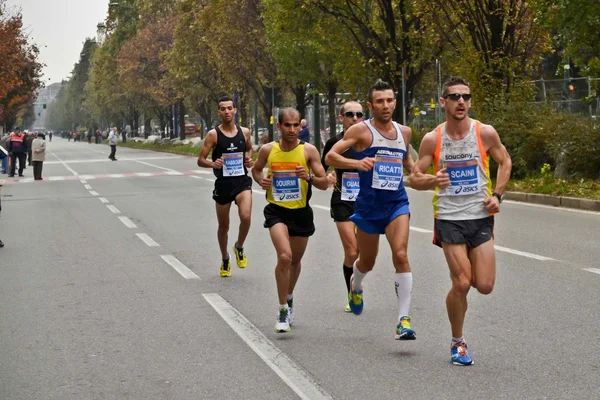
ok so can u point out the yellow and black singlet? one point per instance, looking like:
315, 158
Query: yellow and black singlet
287, 190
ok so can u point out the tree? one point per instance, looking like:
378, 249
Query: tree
20, 70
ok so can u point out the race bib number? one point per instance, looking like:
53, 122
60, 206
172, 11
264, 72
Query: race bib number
350, 186
233, 164
285, 185
464, 179
387, 173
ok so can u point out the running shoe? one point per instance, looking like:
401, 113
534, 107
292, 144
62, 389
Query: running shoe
291, 313
225, 268
283, 321
460, 354
404, 330
355, 298
347, 308
240, 257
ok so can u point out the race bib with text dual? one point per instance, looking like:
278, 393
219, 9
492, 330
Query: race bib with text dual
387, 173
464, 178
285, 185
233, 164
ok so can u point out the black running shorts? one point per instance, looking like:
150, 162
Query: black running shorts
341, 210
299, 221
473, 232
227, 189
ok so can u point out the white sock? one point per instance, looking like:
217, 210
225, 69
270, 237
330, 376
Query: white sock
457, 340
283, 306
358, 277
289, 297
404, 281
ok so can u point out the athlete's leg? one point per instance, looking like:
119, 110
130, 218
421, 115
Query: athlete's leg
281, 242
298, 246
244, 203
223, 221
483, 267
460, 273
397, 236
349, 242
368, 246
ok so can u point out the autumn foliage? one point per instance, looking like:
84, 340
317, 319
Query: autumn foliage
19, 69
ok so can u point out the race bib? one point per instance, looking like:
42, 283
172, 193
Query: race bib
464, 178
350, 186
387, 173
233, 164
285, 185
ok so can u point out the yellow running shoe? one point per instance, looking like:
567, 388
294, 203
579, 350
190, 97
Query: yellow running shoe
348, 309
225, 270
240, 257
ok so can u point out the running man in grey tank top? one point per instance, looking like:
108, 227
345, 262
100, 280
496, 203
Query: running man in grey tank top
464, 202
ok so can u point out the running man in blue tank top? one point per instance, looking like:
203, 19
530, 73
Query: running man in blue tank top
381, 155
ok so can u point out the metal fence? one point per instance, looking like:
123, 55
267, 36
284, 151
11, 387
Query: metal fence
572, 95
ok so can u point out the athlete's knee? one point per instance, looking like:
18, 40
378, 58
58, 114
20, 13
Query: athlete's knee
400, 258
351, 253
485, 287
366, 264
223, 227
245, 217
461, 285
284, 258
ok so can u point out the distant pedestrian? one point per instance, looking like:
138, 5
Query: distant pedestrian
113, 137
1, 244
28, 140
4, 154
38, 148
305, 132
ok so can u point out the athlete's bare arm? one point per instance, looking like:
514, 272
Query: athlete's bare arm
313, 160
248, 163
259, 165
495, 148
418, 178
408, 161
355, 137
209, 144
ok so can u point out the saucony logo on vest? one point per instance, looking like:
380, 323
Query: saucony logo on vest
458, 156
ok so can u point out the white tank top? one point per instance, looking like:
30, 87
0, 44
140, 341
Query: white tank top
467, 164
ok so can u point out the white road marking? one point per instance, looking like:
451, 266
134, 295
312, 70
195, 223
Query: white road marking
88, 187
158, 166
290, 372
196, 177
102, 160
88, 177
147, 239
104, 200
115, 176
201, 172
210, 179
321, 207
414, 228
174, 173
94, 193
144, 174
523, 254
71, 170
114, 209
56, 178
575, 210
83, 181
258, 191
127, 222
179, 267
593, 270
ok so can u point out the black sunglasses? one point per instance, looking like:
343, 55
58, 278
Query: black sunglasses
457, 96
352, 114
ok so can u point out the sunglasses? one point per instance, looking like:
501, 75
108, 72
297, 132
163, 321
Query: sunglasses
352, 114
457, 96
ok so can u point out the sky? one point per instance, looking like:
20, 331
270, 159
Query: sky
59, 28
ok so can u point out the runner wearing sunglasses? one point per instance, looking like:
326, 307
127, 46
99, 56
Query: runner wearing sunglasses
464, 203
381, 155
345, 188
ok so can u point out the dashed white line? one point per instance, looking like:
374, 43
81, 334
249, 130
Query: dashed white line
104, 200
127, 222
147, 239
116, 176
523, 254
94, 193
593, 270
88, 187
179, 267
71, 170
83, 181
290, 372
196, 177
114, 209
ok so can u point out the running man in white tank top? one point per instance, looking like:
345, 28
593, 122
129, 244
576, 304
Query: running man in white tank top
464, 203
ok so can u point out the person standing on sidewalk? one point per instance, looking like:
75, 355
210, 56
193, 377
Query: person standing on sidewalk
38, 150
17, 148
4, 156
113, 137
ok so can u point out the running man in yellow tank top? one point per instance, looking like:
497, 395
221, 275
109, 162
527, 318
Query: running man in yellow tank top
294, 167
464, 203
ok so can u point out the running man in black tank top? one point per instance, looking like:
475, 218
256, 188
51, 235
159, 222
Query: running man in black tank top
345, 182
231, 147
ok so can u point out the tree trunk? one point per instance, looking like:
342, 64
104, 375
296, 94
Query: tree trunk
147, 126
300, 93
331, 98
181, 120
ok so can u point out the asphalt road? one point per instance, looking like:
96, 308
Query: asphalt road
109, 289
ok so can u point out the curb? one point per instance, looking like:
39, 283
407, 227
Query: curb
555, 201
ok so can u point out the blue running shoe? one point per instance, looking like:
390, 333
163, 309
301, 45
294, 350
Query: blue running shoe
460, 354
404, 330
355, 298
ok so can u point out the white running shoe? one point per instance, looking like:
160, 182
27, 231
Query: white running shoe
283, 321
